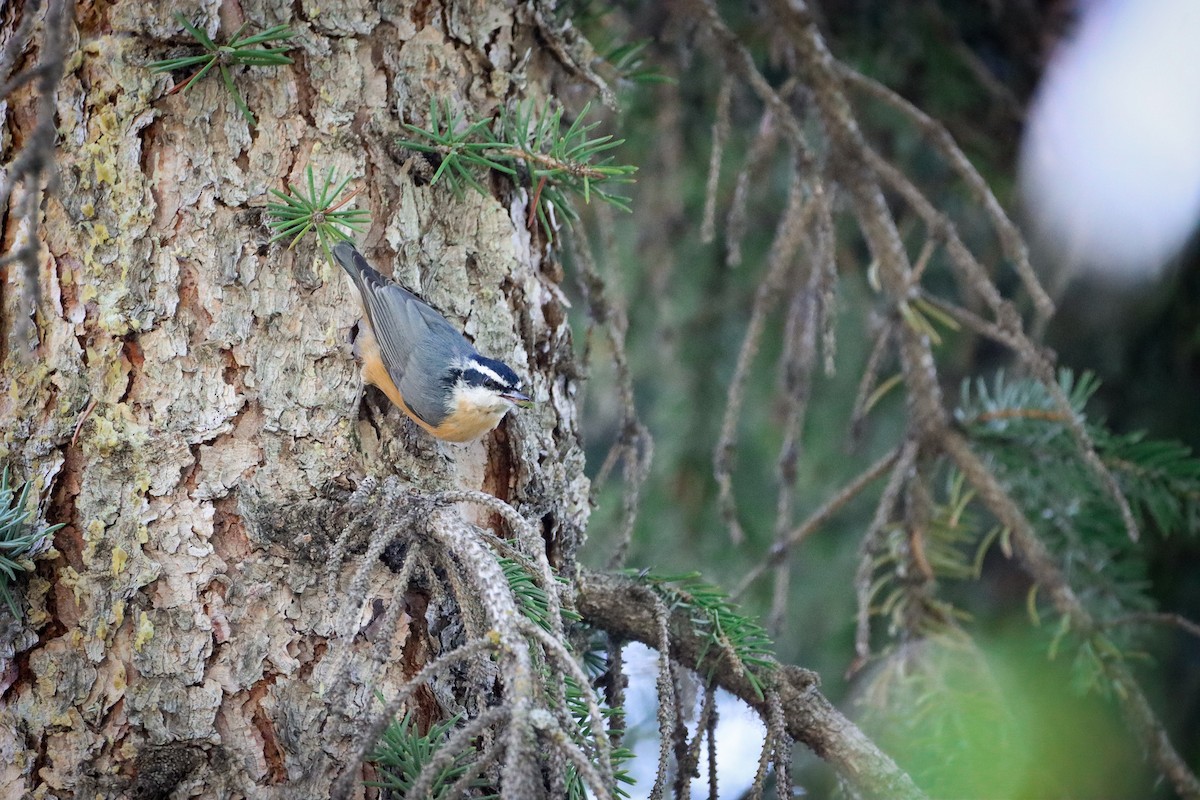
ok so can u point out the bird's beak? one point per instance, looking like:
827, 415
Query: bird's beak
518, 398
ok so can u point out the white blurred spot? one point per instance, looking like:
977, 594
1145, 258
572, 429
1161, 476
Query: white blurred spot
740, 733
1110, 165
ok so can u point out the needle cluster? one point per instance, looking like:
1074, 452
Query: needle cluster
303, 209
239, 50
534, 147
20, 538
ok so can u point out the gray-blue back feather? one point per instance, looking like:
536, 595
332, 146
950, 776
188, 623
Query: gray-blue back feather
418, 346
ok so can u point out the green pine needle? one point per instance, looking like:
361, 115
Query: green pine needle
598, 23
20, 538
311, 209
1018, 424
239, 51
619, 755
532, 148
713, 612
629, 62
403, 753
951, 546
534, 604
531, 598
1027, 438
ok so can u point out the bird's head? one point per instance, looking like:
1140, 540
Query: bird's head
485, 385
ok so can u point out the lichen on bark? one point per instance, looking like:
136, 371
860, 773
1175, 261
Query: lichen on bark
173, 644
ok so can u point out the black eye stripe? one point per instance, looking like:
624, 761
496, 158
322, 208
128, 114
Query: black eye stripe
477, 378
497, 371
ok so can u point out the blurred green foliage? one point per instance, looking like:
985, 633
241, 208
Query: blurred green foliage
989, 718
989, 712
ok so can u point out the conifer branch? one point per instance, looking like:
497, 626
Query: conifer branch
22, 538
536, 149
240, 50
628, 609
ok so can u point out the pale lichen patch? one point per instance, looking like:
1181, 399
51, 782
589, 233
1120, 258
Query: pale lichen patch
145, 632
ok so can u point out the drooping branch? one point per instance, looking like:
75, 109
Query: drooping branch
936, 133
634, 446
783, 547
792, 224
1038, 562
628, 609
862, 176
534, 663
927, 413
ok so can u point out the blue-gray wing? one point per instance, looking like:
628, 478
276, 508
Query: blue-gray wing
417, 344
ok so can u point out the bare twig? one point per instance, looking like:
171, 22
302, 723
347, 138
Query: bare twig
765, 139
687, 767
825, 261
971, 321
630, 610
337, 682
563, 41
796, 367
720, 134
634, 446
668, 714
479, 765
683, 684
869, 546
764, 762
557, 653
551, 730
371, 733
1168, 619
711, 729
866, 384
818, 518
783, 249
532, 545
83, 417
739, 59
615, 685
1010, 237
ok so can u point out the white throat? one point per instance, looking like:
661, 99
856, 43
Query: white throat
478, 400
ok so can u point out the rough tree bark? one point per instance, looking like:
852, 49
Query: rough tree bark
176, 642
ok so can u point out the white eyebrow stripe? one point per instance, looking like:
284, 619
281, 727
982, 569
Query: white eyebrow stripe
488, 371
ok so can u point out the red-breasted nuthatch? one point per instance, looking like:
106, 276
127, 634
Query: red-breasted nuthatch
423, 364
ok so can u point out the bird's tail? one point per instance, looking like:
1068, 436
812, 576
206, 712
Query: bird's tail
352, 261
363, 274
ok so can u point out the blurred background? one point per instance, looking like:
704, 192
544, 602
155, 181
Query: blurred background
982, 69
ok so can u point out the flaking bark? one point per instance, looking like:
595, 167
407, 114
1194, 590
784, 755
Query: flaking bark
175, 643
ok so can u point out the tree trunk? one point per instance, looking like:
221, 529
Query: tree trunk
186, 399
